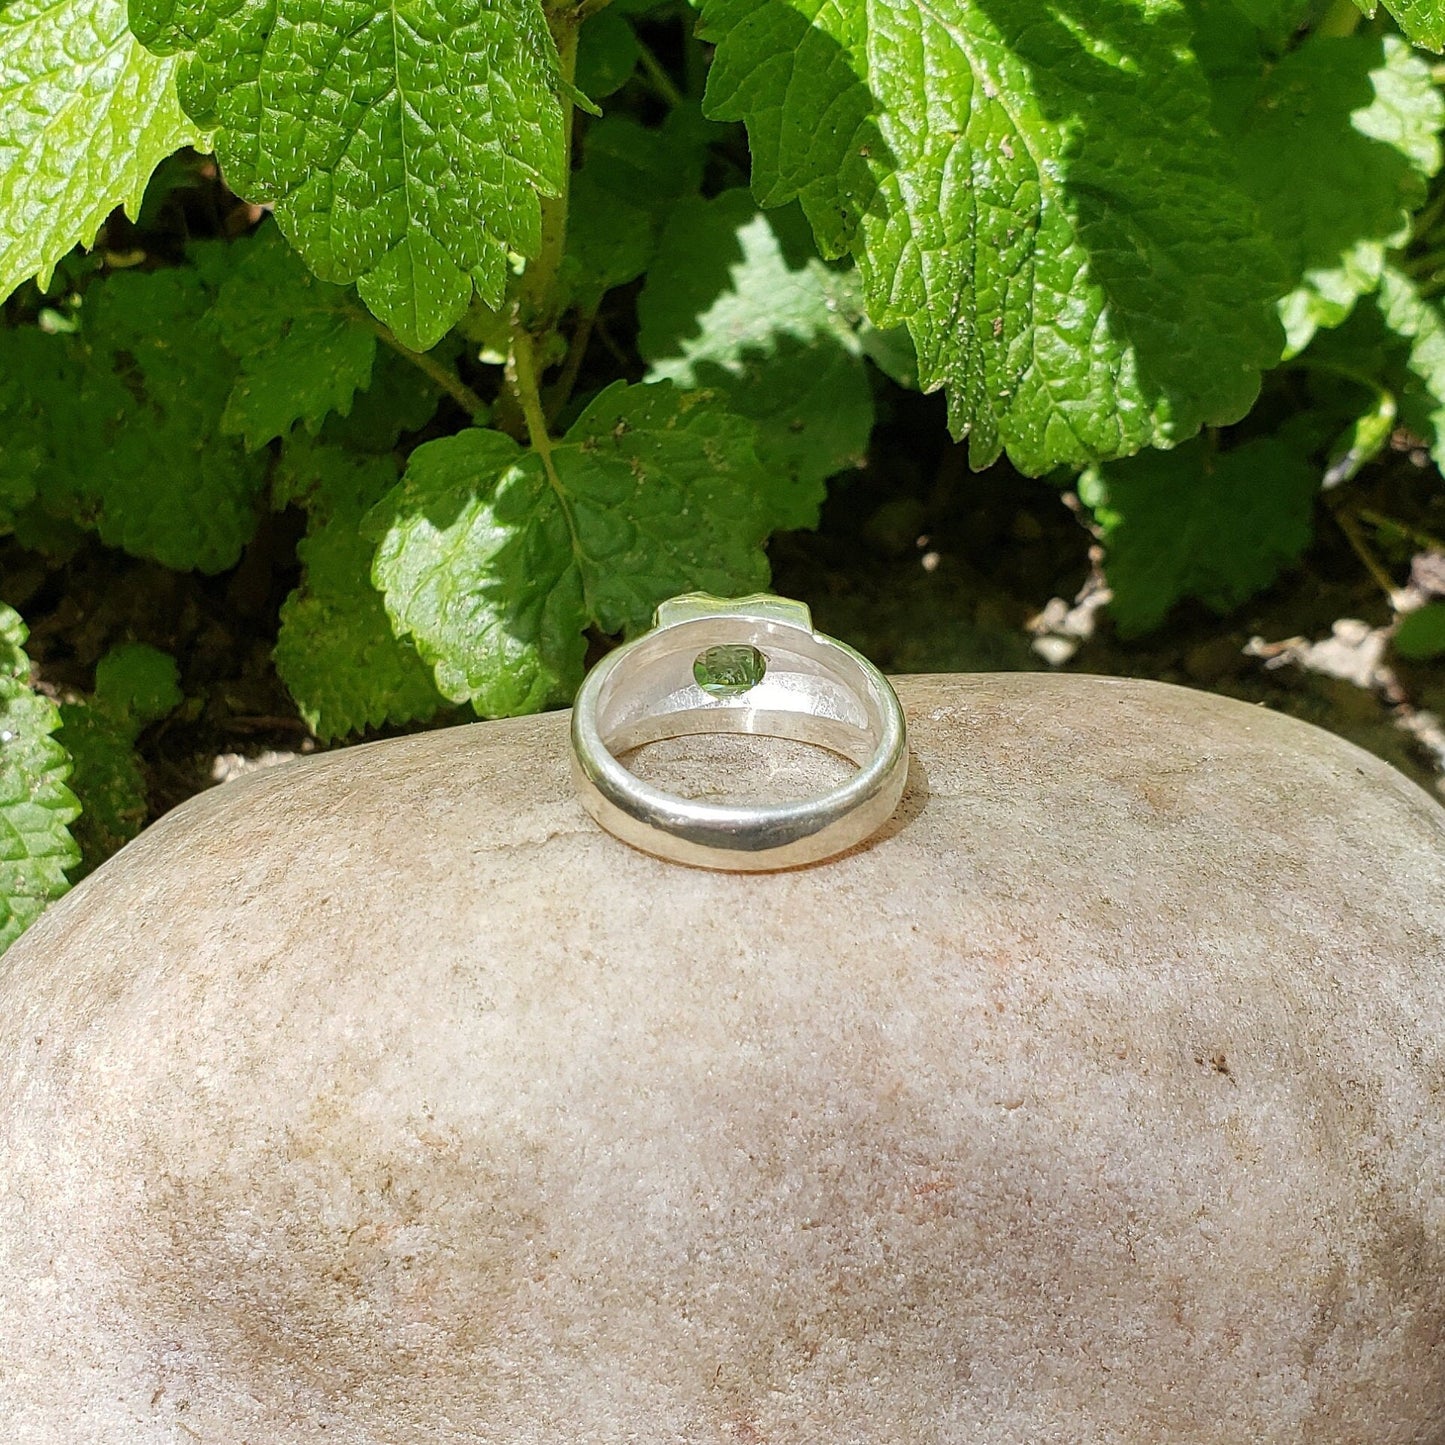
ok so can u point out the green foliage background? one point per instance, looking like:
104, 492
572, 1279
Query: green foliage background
1181, 255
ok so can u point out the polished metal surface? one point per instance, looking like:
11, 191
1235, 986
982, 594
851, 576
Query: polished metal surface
693, 673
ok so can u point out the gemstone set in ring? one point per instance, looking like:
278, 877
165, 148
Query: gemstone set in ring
751, 665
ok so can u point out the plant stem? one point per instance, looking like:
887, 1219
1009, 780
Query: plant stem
1427, 219
1351, 528
437, 374
657, 77
529, 395
561, 390
1414, 534
1346, 373
1430, 261
534, 316
537, 297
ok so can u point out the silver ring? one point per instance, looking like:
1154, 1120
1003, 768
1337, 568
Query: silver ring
743, 665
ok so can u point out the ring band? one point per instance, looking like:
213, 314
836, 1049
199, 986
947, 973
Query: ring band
751, 665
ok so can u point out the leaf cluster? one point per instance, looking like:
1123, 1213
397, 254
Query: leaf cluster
135, 686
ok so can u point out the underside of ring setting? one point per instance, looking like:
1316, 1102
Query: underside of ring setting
751, 665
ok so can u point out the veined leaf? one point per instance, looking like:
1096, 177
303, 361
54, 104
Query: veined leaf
304, 347
738, 301
85, 117
117, 426
1034, 188
336, 651
35, 805
1336, 142
135, 685
404, 145
1420, 324
1422, 20
1195, 522
494, 570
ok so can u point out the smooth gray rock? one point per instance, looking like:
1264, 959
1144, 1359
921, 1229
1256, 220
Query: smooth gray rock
380, 1099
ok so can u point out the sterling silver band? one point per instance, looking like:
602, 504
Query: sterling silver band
744, 665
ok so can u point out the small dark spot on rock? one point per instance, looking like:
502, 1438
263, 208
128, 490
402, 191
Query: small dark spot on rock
1216, 1061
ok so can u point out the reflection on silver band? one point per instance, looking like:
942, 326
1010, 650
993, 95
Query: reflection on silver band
747, 665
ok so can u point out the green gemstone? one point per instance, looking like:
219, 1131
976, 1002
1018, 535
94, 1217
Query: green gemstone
728, 669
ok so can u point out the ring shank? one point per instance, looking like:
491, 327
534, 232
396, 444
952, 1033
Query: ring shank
798, 727
814, 690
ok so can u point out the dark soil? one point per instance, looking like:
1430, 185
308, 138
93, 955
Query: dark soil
927, 567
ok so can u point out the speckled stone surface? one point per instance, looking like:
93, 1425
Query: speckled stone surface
380, 1099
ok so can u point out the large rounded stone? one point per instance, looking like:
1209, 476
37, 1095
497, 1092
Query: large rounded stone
381, 1098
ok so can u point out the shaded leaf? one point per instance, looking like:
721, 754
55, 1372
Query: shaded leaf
1336, 142
400, 399
135, 685
1194, 522
607, 54
630, 178
494, 571
739, 302
1421, 633
122, 421
118, 425
304, 348
336, 651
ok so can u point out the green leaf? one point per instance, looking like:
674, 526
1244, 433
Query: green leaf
1363, 440
1194, 522
135, 685
85, 117
891, 350
494, 571
400, 399
1422, 20
304, 347
120, 422
1420, 324
607, 54
404, 147
32, 375
630, 178
336, 651
476, 564
738, 301
1336, 143
1034, 188
108, 780
1420, 635
35, 805
1278, 19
